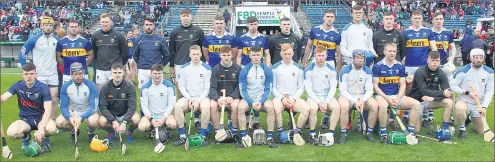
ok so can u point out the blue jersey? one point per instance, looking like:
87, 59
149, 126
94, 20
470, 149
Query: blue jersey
30, 100
214, 43
329, 39
74, 51
130, 44
417, 46
443, 40
245, 43
389, 77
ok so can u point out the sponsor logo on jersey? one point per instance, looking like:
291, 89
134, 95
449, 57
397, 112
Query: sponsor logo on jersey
122, 95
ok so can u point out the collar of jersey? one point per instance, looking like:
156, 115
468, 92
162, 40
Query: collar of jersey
443, 29
422, 27
332, 28
247, 34
67, 36
385, 62
225, 33
34, 85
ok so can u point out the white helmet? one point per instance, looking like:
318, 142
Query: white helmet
448, 68
475, 52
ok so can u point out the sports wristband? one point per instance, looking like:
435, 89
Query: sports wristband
124, 122
484, 108
466, 93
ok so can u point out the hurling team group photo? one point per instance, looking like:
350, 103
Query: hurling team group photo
256, 80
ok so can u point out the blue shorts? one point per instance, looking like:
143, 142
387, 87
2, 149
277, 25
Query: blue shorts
32, 121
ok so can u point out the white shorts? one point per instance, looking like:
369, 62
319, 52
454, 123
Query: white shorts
331, 62
472, 109
411, 70
143, 76
67, 78
393, 97
51, 81
102, 76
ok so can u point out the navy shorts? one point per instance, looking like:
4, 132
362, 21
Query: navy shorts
32, 121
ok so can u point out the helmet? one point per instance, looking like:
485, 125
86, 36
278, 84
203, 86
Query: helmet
163, 134
397, 138
76, 67
286, 137
448, 68
47, 20
98, 145
325, 139
442, 134
368, 56
229, 137
32, 149
475, 52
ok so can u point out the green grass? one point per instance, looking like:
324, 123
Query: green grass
357, 148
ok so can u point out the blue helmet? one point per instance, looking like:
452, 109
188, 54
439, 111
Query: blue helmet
368, 56
442, 134
285, 137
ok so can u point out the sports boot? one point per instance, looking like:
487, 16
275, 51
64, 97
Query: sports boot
312, 139
180, 141
370, 138
462, 134
46, 144
343, 139
384, 139
25, 141
271, 143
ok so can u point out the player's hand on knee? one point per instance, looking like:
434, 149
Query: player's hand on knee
229, 99
222, 100
190, 103
482, 112
257, 106
472, 95
427, 98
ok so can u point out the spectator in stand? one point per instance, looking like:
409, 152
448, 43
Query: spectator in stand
87, 34
453, 15
62, 15
4, 34
25, 32
226, 16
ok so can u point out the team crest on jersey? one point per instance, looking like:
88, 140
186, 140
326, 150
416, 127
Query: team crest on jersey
80, 44
54, 44
293, 74
253, 43
109, 96
262, 77
435, 79
360, 79
191, 36
85, 93
122, 95
394, 40
161, 94
445, 36
259, 43
397, 71
233, 75
156, 44
201, 75
227, 41
364, 33
326, 76
483, 80
424, 34
112, 40
331, 38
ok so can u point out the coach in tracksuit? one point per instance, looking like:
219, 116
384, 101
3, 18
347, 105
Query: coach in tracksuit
117, 104
285, 36
149, 49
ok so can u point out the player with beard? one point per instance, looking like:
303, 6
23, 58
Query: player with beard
149, 49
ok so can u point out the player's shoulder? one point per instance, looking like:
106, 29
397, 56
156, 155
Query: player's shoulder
297, 65
276, 65
167, 83
346, 27
89, 83
39, 84
148, 84
35, 37
346, 69
329, 66
488, 69
206, 66
367, 69
186, 65
211, 34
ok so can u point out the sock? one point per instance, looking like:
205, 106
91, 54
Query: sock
4, 142
182, 133
446, 125
229, 119
462, 127
330, 131
312, 132
369, 130
406, 113
256, 117
234, 131
325, 119
425, 116
410, 129
343, 132
269, 135
130, 130
280, 130
91, 130
196, 115
383, 130
298, 129
243, 133
203, 132
216, 129
391, 117
247, 117
430, 114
